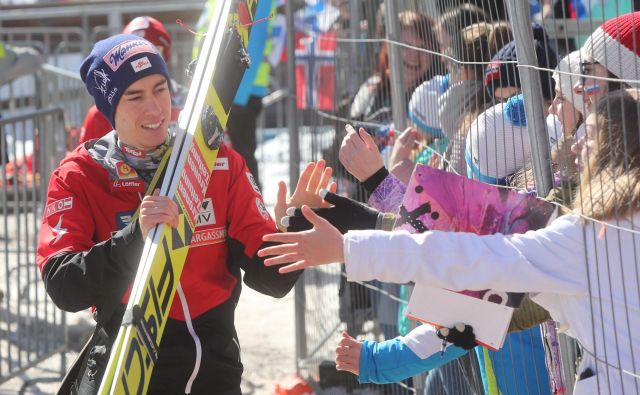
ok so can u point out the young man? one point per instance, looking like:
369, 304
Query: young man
89, 248
95, 125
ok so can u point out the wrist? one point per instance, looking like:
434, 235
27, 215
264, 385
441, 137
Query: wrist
371, 183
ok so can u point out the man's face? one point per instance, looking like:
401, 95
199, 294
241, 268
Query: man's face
143, 113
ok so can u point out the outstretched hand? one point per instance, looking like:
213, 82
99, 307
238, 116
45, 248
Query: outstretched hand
314, 177
359, 154
318, 246
348, 354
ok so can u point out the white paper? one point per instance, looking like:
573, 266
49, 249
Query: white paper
441, 307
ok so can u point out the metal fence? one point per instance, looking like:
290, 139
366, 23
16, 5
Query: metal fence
479, 79
32, 328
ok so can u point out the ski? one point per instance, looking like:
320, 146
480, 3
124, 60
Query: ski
218, 72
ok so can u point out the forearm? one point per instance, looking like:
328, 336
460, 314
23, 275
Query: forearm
78, 280
394, 360
264, 279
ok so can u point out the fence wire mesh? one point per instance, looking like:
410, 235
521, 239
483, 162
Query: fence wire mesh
549, 110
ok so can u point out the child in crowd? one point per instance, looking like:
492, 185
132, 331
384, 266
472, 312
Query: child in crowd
583, 273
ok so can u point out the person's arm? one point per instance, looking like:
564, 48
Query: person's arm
403, 357
387, 193
550, 259
77, 272
248, 221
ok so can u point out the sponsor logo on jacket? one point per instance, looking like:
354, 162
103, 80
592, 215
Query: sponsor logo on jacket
208, 236
58, 206
127, 185
206, 215
125, 172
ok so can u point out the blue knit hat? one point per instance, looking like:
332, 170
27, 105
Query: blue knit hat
114, 64
500, 73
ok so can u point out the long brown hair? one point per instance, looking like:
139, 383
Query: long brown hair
610, 184
423, 25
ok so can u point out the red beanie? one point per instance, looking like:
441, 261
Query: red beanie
616, 46
153, 31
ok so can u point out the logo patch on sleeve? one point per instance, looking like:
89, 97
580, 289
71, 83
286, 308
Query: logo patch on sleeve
262, 209
58, 206
206, 215
58, 231
253, 183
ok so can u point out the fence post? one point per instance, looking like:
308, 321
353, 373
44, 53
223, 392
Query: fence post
294, 170
398, 100
520, 16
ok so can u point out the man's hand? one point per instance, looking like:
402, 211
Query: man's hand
346, 214
314, 177
359, 154
156, 209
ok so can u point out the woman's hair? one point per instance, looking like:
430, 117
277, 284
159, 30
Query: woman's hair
455, 19
471, 44
610, 185
500, 36
424, 27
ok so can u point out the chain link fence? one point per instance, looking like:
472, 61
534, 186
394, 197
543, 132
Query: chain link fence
502, 103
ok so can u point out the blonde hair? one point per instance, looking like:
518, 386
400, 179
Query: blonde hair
610, 184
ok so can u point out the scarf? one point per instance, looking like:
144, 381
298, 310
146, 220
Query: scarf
112, 153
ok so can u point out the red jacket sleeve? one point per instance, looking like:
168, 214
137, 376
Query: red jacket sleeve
78, 273
248, 221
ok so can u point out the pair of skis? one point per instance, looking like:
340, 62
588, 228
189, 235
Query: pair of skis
201, 124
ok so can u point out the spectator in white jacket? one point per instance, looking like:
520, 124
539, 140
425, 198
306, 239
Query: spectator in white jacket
583, 268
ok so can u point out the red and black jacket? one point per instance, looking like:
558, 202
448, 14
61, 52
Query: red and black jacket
88, 247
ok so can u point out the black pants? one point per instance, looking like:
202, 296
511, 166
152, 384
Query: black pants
242, 131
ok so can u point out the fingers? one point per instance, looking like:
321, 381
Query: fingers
331, 197
315, 219
305, 176
282, 193
324, 180
280, 238
367, 139
316, 175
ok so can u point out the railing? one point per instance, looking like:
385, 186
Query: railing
32, 328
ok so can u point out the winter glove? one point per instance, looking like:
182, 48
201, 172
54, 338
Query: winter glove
346, 214
459, 335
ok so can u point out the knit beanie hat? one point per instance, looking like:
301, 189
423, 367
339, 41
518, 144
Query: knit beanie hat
114, 64
502, 73
498, 142
153, 31
616, 46
423, 106
570, 65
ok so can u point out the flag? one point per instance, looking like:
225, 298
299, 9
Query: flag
315, 70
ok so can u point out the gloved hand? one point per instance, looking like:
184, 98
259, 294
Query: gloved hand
460, 335
346, 214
